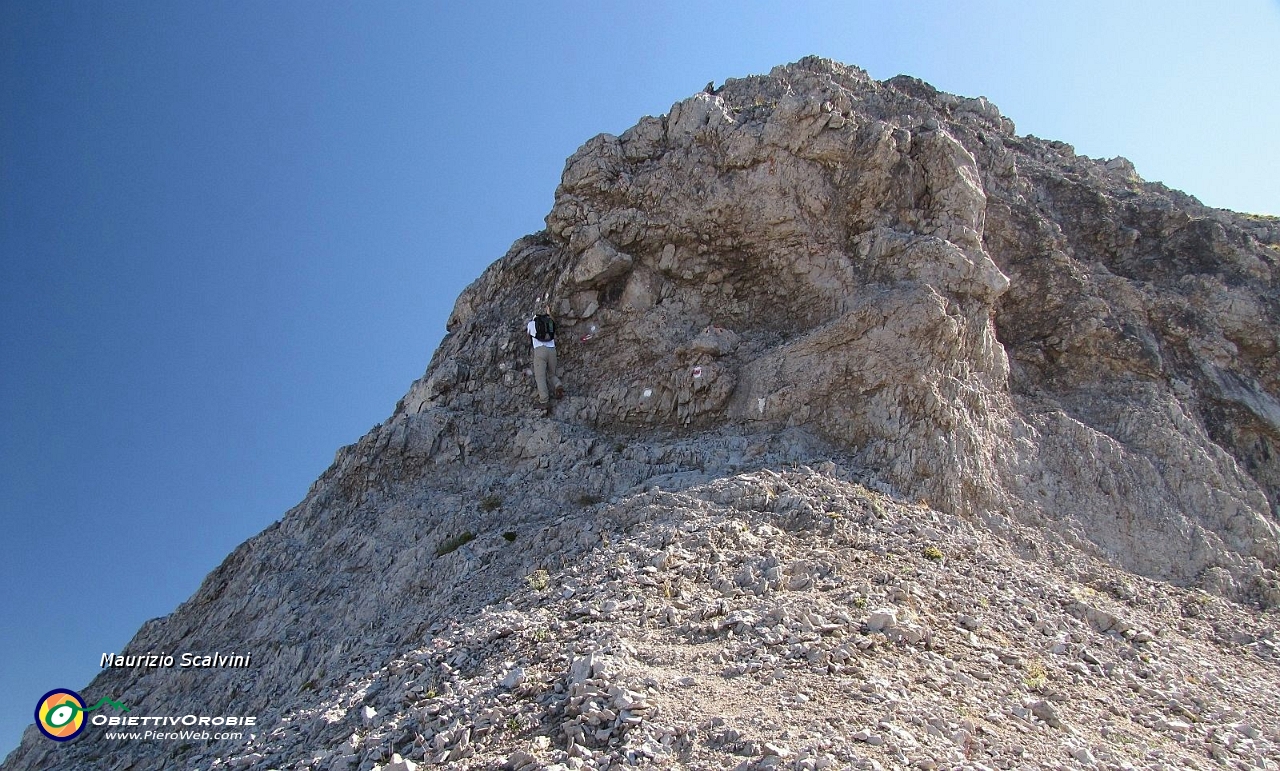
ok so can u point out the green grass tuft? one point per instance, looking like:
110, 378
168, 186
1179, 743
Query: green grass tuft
539, 580
454, 543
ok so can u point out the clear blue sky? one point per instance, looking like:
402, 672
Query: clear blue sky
231, 232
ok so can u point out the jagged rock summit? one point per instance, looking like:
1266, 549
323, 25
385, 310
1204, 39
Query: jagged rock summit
873, 406
990, 322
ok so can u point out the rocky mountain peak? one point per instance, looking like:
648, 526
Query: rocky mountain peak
877, 415
992, 323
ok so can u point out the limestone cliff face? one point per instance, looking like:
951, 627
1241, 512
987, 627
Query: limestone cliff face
801, 266
991, 322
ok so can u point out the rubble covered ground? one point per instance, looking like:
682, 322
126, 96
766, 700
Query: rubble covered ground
801, 620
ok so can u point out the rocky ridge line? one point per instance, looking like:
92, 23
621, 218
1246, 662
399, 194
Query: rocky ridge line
992, 322
877, 302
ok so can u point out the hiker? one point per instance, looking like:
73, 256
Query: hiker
542, 330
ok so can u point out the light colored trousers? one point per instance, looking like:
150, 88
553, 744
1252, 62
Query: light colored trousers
544, 371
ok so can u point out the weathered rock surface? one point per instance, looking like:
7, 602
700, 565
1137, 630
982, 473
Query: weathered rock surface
991, 322
892, 439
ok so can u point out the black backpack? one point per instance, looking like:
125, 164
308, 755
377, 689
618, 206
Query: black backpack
544, 328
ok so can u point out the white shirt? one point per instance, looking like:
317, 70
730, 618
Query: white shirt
533, 330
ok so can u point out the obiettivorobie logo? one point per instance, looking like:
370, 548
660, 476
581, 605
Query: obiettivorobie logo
60, 713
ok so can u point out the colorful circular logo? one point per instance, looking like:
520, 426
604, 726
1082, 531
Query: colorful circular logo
60, 714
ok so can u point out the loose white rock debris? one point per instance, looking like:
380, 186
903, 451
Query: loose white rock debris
713, 632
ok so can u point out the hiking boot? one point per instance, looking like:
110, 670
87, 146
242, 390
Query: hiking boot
559, 392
